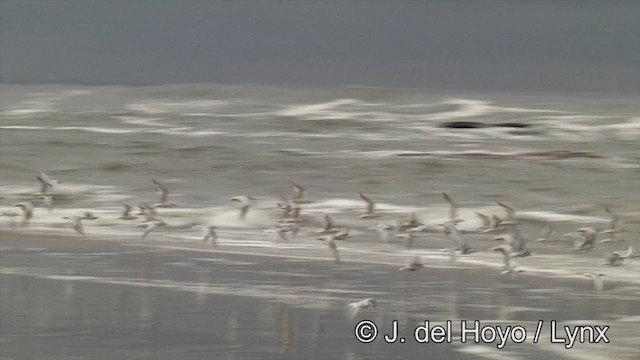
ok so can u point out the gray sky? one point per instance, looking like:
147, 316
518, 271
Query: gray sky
541, 45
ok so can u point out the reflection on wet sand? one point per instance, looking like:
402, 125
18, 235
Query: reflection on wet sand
160, 309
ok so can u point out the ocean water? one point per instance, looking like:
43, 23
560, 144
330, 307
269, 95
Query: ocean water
553, 157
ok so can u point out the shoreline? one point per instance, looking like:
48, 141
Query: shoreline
432, 258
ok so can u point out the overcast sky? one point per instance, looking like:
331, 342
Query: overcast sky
541, 45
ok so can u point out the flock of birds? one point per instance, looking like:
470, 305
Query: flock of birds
513, 243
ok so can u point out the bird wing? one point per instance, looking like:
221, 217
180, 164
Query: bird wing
244, 211
48, 200
598, 283
353, 310
334, 250
614, 217
484, 218
164, 195
384, 234
45, 182
78, 225
628, 253
546, 230
149, 229
510, 211
416, 261
455, 235
328, 223
299, 190
453, 207
520, 241
370, 203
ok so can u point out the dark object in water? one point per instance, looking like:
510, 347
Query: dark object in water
478, 125
513, 125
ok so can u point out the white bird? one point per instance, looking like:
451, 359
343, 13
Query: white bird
47, 183
495, 224
87, 215
329, 240
453, 207
355, 308
327, 227
511, 213
385, 232
285, 205
546, 232
519, 242
150, 213
598, 280
152, 226
505, 250
294, 213
617, 258
299, 193
279, 234
10, 214
414, 265
48, 201
371, 207
614, 227
588, 234
245, 202
509, 267
505, 238
292, 227
210, 234
454, 234
144, 208
411, 224
342, 235
419, 229
484, 219
512, 270
407, 238
158, 184
126, 213
453, 255
164, 195
77, 223
27, 209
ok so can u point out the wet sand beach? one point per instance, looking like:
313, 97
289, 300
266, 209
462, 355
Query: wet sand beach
71, 298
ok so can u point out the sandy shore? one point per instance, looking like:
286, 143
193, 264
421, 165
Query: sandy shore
72, 298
